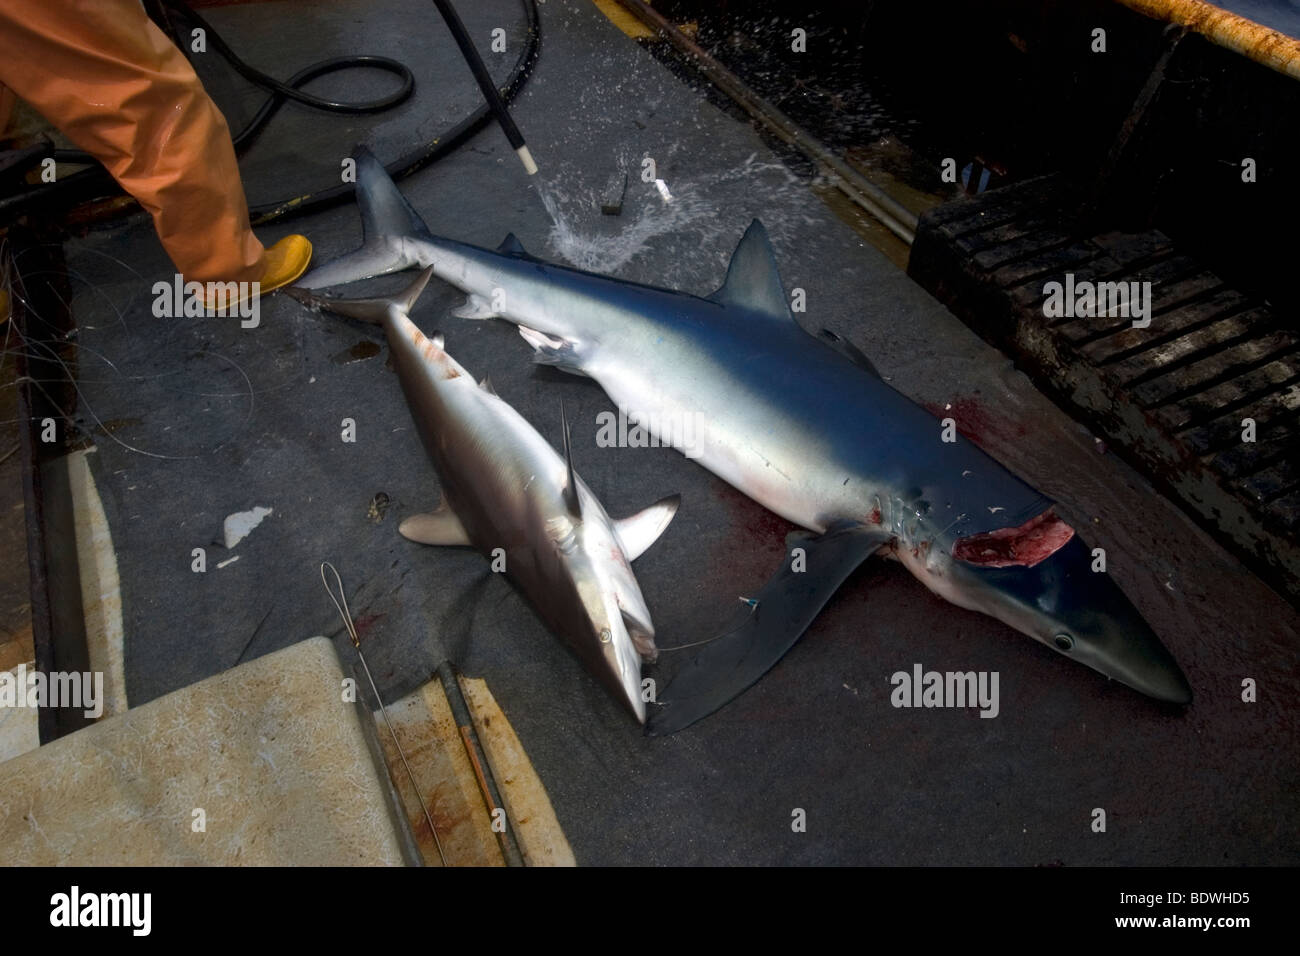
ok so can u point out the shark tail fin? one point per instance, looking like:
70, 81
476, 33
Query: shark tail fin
367, 310
386, 219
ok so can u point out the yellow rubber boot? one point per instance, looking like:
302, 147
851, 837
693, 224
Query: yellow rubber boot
282, 263
285, 262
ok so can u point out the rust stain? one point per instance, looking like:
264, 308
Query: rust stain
1252, 40
422, 342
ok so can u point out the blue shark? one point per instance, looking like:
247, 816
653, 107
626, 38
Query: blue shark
804, 425
509, 495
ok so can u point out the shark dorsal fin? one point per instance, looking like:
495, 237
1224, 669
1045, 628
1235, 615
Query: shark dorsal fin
486, 385
384, 210
753, 282
511, 246
571, 500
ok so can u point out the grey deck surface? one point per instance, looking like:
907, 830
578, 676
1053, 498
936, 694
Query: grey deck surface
259, 413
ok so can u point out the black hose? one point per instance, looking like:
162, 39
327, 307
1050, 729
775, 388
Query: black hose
431, 151
85, 184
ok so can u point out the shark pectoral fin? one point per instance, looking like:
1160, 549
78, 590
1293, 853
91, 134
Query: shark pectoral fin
386, 220
812, 571
637, 532
475, 307
548, 350
440, 527
753, 283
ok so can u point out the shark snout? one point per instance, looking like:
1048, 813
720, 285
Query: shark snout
611, 652
1095, 623
624, 666
1080, 613
1129, 651
1166, 682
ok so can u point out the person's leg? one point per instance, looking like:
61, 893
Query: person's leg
105, 75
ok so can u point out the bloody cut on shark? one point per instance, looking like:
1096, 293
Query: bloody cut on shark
1034, 541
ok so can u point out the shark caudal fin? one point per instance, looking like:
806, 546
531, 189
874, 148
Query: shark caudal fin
811, 573
386, 220
367, 310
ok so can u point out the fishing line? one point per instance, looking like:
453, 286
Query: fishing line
51, 354
960, 517
74, 274
346, 615
46, 351
751, 603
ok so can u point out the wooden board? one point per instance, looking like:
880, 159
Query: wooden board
539, 835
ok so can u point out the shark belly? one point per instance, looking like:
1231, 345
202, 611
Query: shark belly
755, 424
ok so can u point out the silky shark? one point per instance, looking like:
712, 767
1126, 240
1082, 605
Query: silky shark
805, 426
507, 494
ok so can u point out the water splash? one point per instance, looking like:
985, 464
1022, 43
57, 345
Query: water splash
705, 212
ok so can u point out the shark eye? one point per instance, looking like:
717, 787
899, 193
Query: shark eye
1063, 641
605, 635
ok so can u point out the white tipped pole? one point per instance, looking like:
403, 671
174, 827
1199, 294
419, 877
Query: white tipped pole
527, 159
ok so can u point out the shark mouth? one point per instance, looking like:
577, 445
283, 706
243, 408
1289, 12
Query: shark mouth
1033, 542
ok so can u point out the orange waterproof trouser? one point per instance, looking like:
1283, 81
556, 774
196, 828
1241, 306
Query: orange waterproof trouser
105, 75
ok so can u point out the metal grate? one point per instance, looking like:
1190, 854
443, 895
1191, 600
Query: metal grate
1172, 396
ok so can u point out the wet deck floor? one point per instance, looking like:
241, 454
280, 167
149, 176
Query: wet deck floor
254, 418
